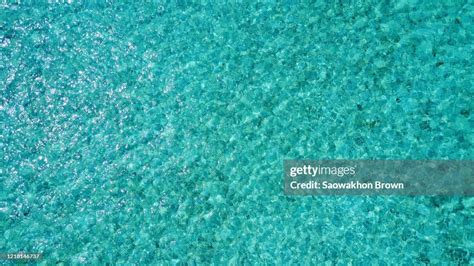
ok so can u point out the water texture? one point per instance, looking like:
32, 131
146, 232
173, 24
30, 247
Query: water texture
155, 133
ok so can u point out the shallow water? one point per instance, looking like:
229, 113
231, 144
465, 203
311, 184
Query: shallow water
148, 133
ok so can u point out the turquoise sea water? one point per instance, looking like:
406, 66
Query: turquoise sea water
156, 133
